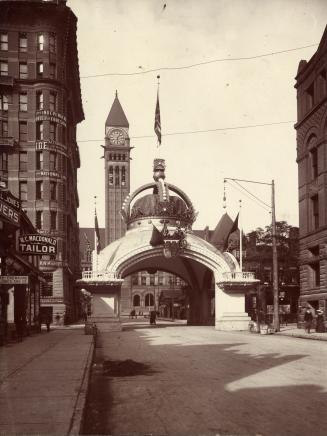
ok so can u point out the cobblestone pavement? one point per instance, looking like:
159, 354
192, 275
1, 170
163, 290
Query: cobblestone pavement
176, 380
43, 383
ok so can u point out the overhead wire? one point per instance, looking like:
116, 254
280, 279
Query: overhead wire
189, 132
243, 193
198, 64
261, 201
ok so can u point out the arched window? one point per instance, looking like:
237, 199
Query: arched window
313, 150
136, 300
117, 176
111, 175
123, 176
149, 300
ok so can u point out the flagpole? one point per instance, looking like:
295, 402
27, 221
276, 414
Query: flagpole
95, 237
240, 225
157, 122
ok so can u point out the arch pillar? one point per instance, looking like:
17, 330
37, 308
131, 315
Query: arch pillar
230, 308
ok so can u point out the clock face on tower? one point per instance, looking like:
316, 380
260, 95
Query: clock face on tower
117, 137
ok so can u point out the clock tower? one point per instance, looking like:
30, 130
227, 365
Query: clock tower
117, 170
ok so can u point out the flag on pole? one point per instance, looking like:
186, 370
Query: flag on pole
157, 121
232, 230
97, 234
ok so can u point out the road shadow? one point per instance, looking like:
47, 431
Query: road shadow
226, 405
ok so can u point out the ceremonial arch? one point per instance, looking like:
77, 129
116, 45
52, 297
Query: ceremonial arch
159, 237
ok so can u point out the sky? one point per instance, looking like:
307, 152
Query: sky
116, 37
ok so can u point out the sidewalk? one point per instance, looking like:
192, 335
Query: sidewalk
43, 382
292, 330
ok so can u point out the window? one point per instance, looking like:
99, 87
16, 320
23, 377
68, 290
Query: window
160, 280
52, 42
23, 191
39, 130
3, 161
39, 160
23, 131
314, 162
3, 68
315, 274
39, 190
111, 176
53, 220
3, 128
39, 69
22, 42
52, 161
53, 190
143, 280
39, 219
63, 134
23, 161
39, 100
149, 300
4, 41
23, 102
117, 176
52, 74
3, 102
136, 300
23, 70
315, 212
152, 279
47, 288
53, 101
123, 176
53, 131
40, 41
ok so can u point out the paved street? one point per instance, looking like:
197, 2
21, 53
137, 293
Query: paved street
179, 380
43, 383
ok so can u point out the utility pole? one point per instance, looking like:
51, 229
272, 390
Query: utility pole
274, 246
275, 262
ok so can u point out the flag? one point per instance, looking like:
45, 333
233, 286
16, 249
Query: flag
156, 237
232, 230
157, 121
97, 234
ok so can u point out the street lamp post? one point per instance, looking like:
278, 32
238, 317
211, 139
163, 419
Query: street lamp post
274, 248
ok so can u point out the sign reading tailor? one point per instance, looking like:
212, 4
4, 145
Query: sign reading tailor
37, 244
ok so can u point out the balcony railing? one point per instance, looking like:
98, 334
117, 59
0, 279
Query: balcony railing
99, 276
239, 276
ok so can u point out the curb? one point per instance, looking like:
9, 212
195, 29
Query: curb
77, 417
296, 335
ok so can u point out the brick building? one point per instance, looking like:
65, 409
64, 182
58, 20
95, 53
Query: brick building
40, 106
311, 128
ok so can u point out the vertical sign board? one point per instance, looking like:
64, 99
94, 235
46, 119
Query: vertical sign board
9, 208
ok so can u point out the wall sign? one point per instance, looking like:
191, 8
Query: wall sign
37, 244
9, 213
50, 145
13, 280
46, 115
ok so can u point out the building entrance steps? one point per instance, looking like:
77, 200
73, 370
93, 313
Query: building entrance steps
43, 382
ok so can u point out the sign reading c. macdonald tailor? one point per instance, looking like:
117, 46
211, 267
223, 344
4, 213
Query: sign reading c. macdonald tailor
37, 244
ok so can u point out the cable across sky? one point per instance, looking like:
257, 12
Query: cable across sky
198, 64
189, 132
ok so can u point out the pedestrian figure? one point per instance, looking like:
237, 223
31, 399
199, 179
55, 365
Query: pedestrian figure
320, 322
153, 315
308, 320
48, 322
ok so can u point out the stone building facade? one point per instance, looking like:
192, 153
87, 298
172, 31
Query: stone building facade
311, 128
40, 107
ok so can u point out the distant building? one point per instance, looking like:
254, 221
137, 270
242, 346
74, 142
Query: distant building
311, 129
40, 106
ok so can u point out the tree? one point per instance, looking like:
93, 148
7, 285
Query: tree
264, 236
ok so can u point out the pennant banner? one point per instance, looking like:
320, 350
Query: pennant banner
157, 121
